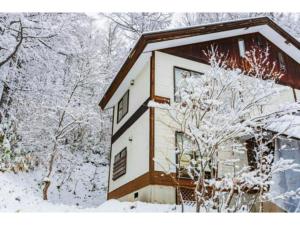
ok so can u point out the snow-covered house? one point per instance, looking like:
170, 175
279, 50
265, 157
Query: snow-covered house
151, 72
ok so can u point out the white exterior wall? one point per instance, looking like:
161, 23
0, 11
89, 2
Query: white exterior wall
138, 94
164, 86
164, 72
137, 151
164, 140
165, 127
154, 194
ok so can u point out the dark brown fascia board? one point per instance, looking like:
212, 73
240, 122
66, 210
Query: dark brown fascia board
166, 35
131, 59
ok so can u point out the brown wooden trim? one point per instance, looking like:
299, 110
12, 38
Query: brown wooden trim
161, 178
152, 75
162, 100
135, 116
152, 115
229, 46
186, 32
130, 187
154, 178
294, 93
157, 178
112, 131
131, 59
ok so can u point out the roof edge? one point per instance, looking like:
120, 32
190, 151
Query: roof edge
173, 34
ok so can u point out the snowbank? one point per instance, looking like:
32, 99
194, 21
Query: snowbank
288, 125
117, 206
21, 196
19, 193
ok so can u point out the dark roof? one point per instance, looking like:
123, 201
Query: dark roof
166, 35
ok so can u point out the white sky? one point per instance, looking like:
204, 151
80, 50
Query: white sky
153, 5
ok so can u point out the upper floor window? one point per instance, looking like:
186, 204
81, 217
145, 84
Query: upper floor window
119, 166
281, 62
179, 75
259, 42
242, 47
123, 106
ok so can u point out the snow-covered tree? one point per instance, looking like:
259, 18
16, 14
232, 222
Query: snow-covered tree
21, 46
54, 96
134, 24
289, 21
215, 115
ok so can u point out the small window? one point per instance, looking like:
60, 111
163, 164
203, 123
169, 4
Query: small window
179, 74
123, 106
242, 48
259, 42
119, 166
281, 62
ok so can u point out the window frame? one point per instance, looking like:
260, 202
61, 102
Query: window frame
174, 79
127, 107
120, 161
258, 41
208, 174
242, 47
183, 176
281, 61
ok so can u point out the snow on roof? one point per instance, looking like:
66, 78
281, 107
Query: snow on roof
206, 24
288, 125
152, 41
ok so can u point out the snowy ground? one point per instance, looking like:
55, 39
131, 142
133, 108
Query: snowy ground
22, 192
85, 187
19, 193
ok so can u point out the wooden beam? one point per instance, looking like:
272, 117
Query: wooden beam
182, 33
109, 168
138, 183
135, 116
152, 114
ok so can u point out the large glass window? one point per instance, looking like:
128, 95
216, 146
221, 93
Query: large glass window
188, 158
287, 180
123, 106
179, 75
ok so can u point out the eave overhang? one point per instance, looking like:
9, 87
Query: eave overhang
152, 41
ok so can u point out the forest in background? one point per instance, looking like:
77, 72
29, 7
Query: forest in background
54, 68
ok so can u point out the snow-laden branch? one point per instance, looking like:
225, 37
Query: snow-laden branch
217, 113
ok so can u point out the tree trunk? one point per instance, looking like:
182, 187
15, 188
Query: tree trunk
199, 189
45, 189
181, 199
261, 204
229, 198
47, 181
